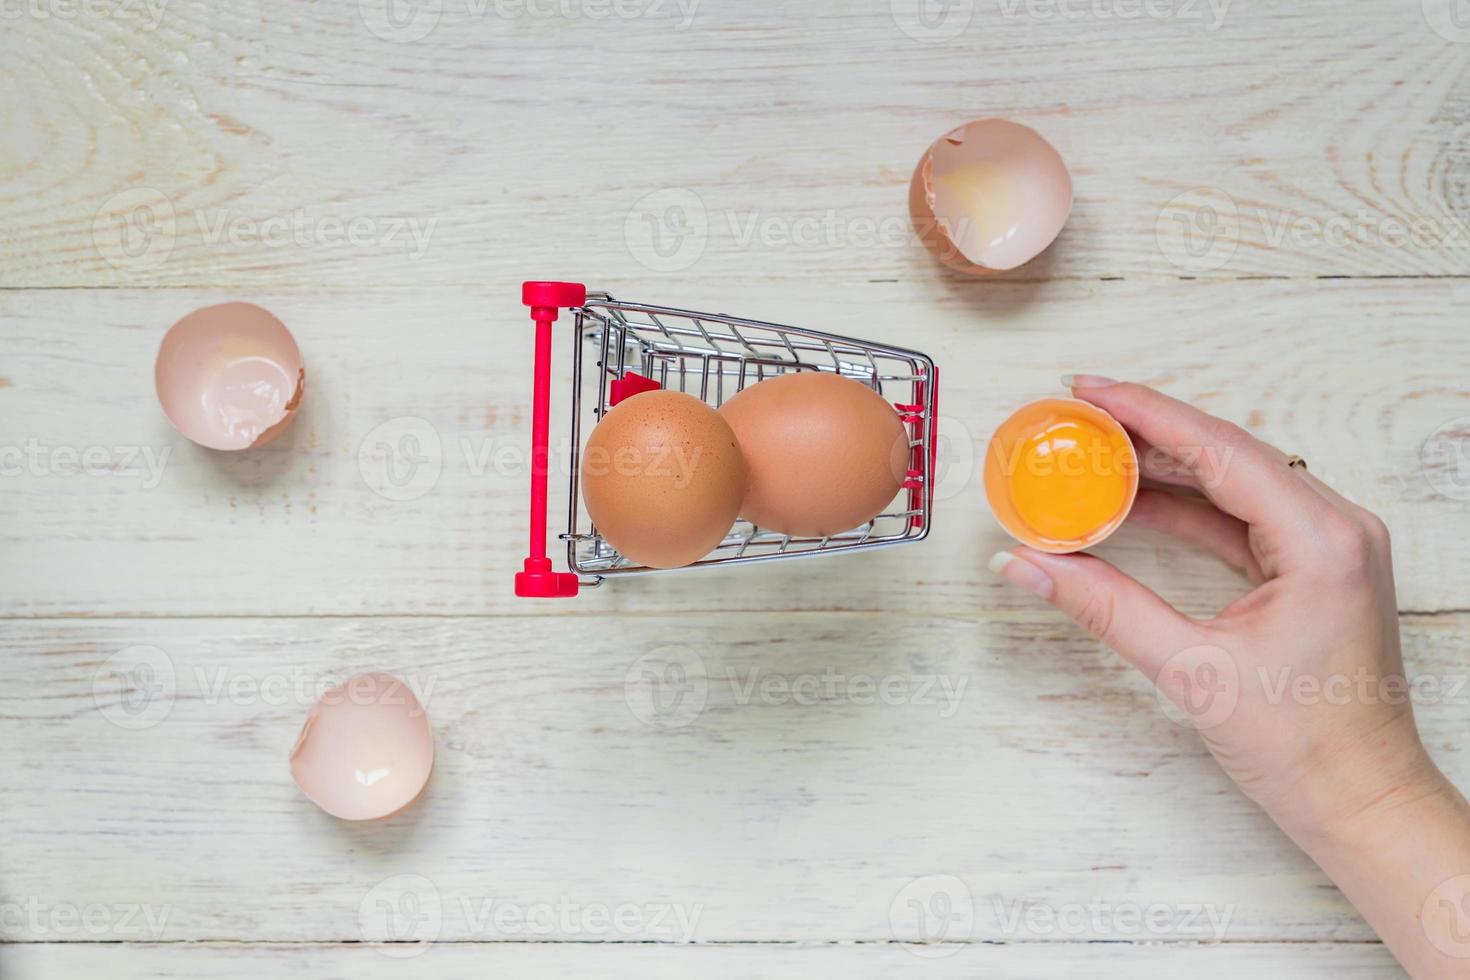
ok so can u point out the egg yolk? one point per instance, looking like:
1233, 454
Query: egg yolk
1070, 479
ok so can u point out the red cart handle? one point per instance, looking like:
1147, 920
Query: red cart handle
546, 300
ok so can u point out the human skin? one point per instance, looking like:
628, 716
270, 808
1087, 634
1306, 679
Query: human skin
1298, 687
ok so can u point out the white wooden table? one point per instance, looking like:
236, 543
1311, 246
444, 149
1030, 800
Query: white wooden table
1271, 200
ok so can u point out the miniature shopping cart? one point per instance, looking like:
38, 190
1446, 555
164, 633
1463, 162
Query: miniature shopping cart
636, 347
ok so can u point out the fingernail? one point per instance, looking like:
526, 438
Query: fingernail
1020, 572
1086, 381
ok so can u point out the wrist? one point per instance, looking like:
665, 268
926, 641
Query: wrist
1403, 859
1351, 808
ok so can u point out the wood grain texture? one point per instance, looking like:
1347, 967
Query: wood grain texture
206, 143
528, 961
724, 777
431, 387
687, 775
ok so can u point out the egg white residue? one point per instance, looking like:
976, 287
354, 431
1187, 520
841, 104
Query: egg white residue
990, 195
229, 376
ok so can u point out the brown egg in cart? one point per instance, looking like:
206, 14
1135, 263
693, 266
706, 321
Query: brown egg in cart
620, 349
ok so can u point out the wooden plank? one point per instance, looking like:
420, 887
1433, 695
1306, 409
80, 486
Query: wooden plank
431, 388
723, 778
534, 961
233, 145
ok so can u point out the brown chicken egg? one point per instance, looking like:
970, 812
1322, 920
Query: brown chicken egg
826, 454
663, 477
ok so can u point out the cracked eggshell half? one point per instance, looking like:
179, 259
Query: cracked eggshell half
990, 196
229, 376
366, 749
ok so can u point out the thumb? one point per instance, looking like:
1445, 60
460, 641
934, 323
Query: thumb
1114, 608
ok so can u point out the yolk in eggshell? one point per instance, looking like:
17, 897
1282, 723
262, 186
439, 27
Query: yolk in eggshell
1069, 478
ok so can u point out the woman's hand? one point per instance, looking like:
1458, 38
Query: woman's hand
1298, 687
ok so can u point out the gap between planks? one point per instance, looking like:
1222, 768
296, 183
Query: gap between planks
993, 616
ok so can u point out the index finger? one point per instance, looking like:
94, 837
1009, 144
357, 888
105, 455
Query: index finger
1242, 475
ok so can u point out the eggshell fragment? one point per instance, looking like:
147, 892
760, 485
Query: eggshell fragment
663, 477
366, 750
1061, 475
826, 453
990, 196
229, 376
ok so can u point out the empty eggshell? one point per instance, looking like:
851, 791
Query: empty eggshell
990, 196
366, 750
229, 376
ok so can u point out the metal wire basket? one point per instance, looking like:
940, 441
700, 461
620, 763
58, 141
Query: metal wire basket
636, 347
